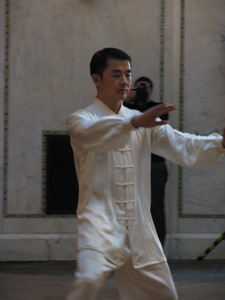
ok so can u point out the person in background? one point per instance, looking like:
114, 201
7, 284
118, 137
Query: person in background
112, 145
140, 98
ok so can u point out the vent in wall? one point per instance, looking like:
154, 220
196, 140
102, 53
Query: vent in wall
60, 187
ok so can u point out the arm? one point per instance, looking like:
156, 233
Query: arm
89, 132
182, 148
187, 150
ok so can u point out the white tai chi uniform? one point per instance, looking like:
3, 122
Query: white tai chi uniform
115, 230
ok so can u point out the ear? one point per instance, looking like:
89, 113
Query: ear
96, 79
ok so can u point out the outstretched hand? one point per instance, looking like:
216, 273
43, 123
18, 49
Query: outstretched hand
149, 118
223, 141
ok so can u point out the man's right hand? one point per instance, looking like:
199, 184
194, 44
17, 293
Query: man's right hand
149, 118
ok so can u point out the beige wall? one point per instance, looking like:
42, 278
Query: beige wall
179, 44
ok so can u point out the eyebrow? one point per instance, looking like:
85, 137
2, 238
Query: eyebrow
117, 71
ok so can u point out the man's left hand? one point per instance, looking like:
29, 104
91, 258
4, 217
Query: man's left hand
223, 141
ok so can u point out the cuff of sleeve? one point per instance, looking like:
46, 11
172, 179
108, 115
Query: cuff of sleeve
129, 125
134, 123
221, 147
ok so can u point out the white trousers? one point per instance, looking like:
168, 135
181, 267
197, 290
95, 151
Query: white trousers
153, 282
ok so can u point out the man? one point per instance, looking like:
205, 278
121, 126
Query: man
140, 98
112, 145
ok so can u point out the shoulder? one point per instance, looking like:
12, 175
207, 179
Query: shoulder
86, 111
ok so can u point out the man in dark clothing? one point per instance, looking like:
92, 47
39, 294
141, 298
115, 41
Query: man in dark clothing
140, 98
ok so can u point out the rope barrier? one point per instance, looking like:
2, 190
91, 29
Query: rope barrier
211, 247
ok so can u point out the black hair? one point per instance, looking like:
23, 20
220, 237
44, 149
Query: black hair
99, 60
146, 79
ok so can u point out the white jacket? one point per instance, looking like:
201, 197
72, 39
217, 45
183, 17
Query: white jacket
112, 161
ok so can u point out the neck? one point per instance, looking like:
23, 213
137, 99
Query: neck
112, 105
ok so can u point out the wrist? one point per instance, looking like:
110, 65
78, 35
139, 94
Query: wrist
134, 122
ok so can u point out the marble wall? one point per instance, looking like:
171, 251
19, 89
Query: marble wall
201, 192
203, 101
45, 51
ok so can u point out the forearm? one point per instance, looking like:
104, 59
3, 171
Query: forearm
187, 150
106, 133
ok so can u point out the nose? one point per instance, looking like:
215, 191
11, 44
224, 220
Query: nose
125, 81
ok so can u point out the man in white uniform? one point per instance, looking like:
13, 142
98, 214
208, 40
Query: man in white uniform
112, 147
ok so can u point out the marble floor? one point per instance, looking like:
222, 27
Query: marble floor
52, 280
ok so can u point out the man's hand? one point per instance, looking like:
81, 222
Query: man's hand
149, 117
131, 95
223, 141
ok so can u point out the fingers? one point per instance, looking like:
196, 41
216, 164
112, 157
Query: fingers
130, 96
149, 117
160, 109
164, 108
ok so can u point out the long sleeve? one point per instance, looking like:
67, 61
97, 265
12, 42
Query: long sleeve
187, 150
94, 133
112, 161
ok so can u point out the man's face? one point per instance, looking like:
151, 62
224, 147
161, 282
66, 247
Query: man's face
116, 80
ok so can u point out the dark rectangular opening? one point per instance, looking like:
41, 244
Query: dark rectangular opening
61, 186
